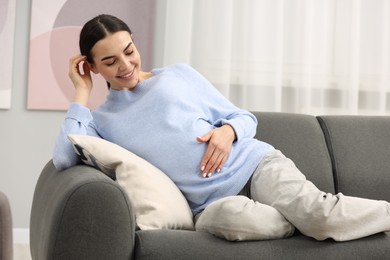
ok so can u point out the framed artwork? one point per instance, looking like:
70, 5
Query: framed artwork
54, 35
7, 28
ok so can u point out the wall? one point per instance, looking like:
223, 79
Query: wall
26, 137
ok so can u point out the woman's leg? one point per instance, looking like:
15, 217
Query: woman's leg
278, 183
238, 218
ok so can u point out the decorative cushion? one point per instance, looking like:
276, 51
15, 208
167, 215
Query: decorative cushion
157, 202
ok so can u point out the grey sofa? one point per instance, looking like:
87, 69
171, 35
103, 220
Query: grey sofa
6, 238
80, 213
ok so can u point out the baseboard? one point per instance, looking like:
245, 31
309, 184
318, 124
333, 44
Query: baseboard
21, 235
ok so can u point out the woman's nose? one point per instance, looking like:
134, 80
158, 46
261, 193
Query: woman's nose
124, 64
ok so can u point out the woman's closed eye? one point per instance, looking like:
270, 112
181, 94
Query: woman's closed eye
110, 62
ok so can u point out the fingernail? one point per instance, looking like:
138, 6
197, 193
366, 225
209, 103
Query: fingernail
202, 169
208, 175
204, 175
218, 170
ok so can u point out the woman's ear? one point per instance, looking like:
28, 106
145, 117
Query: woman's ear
92, 67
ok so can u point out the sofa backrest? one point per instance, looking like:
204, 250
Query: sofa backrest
300, 138
359, 147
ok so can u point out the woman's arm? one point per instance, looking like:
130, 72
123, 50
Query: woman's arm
219, 109
79, 118
231, 123
77, 121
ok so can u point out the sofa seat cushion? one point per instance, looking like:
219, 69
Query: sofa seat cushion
181, 244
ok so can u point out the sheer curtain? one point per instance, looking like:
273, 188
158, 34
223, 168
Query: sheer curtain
302, 56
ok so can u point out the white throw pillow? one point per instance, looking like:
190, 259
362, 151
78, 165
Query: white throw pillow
157, 202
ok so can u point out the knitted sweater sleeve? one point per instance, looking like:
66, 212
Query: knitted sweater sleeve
77, 121
219, 109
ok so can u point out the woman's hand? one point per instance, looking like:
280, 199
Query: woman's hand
81, 80
220, 144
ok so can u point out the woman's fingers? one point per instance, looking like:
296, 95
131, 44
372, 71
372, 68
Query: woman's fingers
220, 141
214, 158
80, 79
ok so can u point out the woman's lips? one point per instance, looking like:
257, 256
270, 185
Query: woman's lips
127, 75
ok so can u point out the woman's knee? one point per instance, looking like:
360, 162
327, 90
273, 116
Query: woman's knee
240, 218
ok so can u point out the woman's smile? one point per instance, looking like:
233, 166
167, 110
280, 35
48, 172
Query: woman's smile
127, 76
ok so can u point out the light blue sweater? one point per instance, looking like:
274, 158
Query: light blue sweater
160, 120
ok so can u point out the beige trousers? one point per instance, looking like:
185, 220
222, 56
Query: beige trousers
278, 183
282, 198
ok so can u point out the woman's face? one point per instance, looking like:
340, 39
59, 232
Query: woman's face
116, 58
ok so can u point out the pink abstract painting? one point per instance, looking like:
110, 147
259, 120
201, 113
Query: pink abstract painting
55, 28
7, 28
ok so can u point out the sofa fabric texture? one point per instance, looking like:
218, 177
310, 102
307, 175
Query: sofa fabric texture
360, 150
81, 213
6, 237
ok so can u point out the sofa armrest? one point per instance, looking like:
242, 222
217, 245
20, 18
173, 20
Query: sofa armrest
80, 213
6, 241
